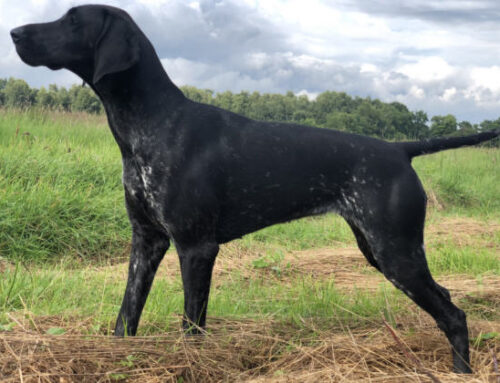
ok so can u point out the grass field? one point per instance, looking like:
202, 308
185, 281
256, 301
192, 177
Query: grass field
293, 302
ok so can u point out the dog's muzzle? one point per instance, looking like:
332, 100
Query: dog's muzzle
17, 34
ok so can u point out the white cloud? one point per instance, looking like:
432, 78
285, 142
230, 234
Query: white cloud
417, 92
195, 5
258, 60
368, 68
185, 72
449, 94
427, 69
486, 77
308, 62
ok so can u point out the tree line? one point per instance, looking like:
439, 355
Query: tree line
330, 110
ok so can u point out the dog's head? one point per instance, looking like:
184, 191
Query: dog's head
91, 41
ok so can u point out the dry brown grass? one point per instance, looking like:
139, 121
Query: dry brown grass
239, 351
462, 231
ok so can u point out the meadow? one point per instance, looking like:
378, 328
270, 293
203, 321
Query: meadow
293, 302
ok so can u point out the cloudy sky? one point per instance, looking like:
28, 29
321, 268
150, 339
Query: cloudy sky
441, 56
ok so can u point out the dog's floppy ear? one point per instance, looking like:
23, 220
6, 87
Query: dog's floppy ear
117, 48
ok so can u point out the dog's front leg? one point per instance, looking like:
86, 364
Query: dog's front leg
148, 248
197, 262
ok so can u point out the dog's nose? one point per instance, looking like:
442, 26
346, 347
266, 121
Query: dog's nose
17, 34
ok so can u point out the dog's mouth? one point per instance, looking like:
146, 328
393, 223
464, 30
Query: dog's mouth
31, 53
26, 55
31, 56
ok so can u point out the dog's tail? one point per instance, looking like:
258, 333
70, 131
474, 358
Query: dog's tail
417, 148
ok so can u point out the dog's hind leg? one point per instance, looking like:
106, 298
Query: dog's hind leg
363, 245
444, 291
406, 267
197, 262
396, 238
148, 248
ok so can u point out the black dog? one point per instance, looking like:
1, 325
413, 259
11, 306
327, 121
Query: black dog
202, 176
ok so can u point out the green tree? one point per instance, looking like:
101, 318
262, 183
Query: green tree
443, 125
3, 82
328, 102
342, 121
199, 95
46, 99
253, 101
241, 103
261, 108
63, 99
332, 110
370, 122
224, 100
465, 128
490, 124
399, 121
419, 128
18, 94
85, 100
302, 109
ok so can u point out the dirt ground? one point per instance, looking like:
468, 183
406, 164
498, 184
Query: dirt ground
268, 351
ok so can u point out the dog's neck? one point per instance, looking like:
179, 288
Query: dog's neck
139, 101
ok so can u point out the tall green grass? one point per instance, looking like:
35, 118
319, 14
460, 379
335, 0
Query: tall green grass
447, 258
61, 193
465, 181
60, 187
87, 293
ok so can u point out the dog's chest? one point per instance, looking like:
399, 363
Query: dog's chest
145, 187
